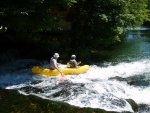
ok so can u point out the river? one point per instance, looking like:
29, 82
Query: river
98, 87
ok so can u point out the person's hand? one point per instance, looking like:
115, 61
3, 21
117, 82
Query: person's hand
58, 65
79, 62
61, 73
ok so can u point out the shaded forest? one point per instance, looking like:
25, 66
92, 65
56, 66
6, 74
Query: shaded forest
38, 28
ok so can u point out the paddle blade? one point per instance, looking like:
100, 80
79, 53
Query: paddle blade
62, 77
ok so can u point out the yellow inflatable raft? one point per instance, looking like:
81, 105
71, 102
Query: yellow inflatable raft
66, 71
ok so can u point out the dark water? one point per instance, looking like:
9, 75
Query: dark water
125, 74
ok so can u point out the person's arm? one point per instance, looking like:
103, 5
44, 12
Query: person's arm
59, 70
56, 66
79, 63
76, 63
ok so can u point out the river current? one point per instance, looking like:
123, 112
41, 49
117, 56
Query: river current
98, 87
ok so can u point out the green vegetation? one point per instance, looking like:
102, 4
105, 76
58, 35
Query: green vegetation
31, 15
102, 22
95, 24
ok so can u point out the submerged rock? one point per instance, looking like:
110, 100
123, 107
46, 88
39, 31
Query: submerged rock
117, 78
144, 108
133, 104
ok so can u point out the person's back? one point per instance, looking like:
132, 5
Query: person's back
73, 63
53, 63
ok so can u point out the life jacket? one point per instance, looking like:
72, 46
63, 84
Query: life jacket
71, 64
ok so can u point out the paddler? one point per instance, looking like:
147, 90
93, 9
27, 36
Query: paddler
73, 63
53, 63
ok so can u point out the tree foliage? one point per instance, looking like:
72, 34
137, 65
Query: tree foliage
98, 21
31, 15
103, 21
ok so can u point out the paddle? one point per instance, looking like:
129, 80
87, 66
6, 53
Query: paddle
62, 77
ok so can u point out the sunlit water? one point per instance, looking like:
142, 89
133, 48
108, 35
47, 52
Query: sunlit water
95, 88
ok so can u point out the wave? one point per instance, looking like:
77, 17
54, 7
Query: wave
92, 89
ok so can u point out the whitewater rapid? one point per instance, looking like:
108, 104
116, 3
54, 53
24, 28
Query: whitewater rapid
94, 89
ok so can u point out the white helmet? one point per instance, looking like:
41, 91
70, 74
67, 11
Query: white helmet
73, 56
56, 55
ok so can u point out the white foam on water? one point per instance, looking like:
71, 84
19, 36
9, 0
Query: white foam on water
122, 70
139, 94
98, 91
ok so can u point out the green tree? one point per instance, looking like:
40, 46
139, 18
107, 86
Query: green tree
31, 15
103, 21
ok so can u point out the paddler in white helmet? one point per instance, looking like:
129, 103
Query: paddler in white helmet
53, 63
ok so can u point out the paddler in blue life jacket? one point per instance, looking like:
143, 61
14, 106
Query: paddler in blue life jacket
53, 63
73, 63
